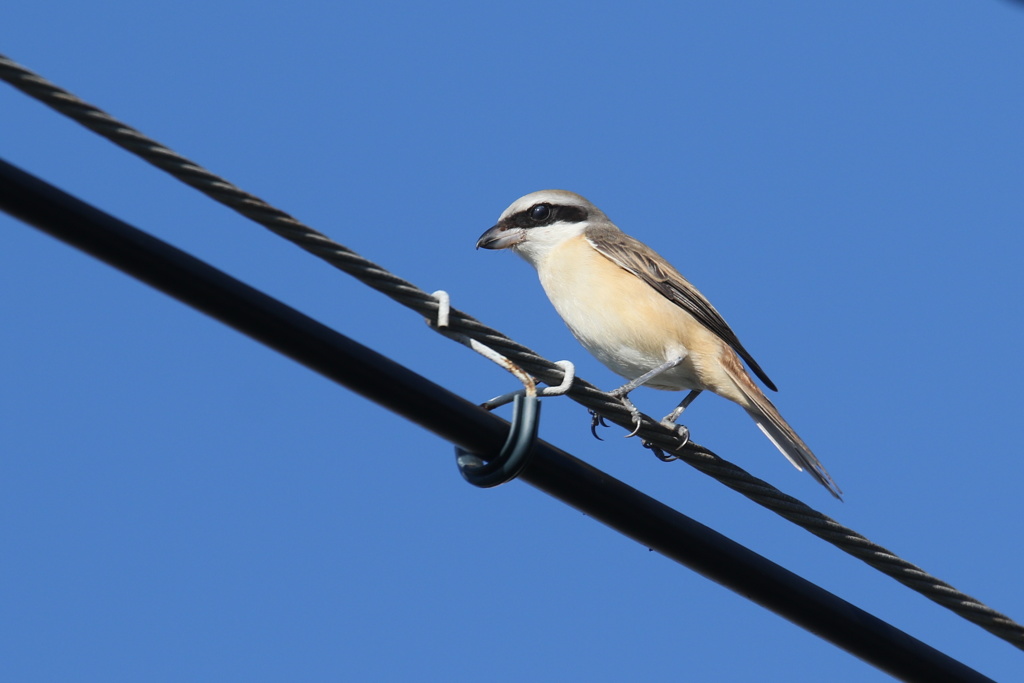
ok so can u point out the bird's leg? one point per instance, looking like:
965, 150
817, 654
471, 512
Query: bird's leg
622, 393
643, 379
687, 400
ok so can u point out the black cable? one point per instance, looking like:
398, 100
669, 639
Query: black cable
648, 521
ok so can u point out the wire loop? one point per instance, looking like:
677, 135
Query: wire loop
514, 455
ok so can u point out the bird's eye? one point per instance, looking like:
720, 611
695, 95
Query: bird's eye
540, 213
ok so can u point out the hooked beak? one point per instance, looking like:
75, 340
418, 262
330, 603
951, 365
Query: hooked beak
501, 236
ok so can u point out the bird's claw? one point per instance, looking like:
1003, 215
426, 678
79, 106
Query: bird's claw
658, 453
684, 434
595, 422
682, 431
634, 413
638, 422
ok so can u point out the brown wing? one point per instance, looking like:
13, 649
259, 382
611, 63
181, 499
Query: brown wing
642, 261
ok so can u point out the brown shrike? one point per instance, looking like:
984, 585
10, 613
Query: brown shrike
631, 309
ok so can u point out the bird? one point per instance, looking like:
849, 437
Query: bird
637, 314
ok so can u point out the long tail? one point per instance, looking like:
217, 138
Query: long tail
780, 433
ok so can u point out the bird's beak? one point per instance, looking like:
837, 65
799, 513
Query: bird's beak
501, 236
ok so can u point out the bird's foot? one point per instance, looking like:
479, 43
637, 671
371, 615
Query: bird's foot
634, 412
681, 431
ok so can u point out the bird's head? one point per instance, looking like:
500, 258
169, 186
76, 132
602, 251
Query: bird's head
537, 223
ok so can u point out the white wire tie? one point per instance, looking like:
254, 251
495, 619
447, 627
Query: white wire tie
568, 375
443, 309
444, 306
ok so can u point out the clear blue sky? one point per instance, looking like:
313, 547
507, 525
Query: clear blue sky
846, 184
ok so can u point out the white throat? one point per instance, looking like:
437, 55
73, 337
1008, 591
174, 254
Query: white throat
540, 242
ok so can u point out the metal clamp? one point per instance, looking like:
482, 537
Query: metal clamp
513, 456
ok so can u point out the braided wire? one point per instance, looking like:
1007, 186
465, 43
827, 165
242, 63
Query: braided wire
652, 432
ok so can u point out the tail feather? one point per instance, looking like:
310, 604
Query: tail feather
780, 433
786, 440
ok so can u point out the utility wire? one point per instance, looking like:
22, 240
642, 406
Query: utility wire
581, 391
455, 419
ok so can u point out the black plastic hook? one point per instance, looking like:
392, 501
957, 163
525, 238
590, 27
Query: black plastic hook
514, 455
